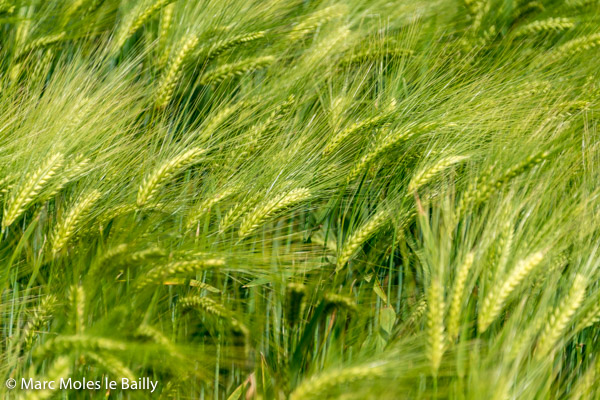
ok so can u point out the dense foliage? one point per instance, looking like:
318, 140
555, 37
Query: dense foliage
272, 199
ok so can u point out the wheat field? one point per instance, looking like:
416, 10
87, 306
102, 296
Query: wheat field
300, 199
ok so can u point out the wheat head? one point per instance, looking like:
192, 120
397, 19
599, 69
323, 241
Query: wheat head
167, 170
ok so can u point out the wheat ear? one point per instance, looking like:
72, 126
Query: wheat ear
499, 253
154, 335
561, 317
134, 23
518, 169
93, 6
586, 386
65, 230
313, 21
419, 309
59, 369
505, 243
224, 45
486, 187
73, 170
167, 170
204, 303
494, 301
384, 146
329, 45
219, 119
423, 177
171, 78
376, 55
77, 303
591, 317
117, 257
73, 8
6, 183
526, 8
436, 340
529, 89
354, 129
457, 300
258, 130
110, 254
359, 236
40, 316
209, 306
474, 6
159, 274
232, 215
546, 25
40, 43
206, 205
524, 338
124, 209
166, 20
42, 67
319, 385
111, 364
264, 211
580, 3
334, 301
66, 344
32, 187
228, 71
576, 46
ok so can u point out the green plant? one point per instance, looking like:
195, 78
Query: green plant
268, 199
